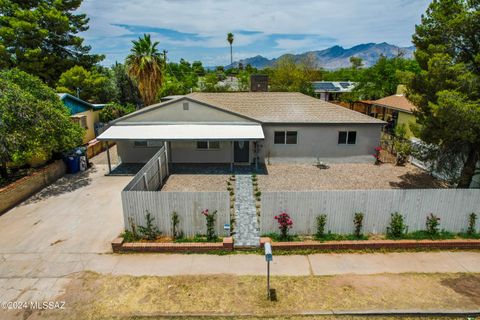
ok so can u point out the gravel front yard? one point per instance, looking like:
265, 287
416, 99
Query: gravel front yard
345, 176
196, 182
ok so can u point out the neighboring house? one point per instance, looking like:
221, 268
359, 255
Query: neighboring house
395, 109
332, 90
83, 113
245, 128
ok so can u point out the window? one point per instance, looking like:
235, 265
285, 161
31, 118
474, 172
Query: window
140, 143
185, 106
208, 145
347, 137
285, 137
81, 120
147, 143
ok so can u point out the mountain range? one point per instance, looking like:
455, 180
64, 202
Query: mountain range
336, 57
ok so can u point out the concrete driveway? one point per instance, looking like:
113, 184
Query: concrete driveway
79, 213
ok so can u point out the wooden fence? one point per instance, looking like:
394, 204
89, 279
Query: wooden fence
152, 174
188, 206
452, 206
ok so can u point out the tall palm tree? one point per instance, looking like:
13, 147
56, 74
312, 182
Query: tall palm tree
230, 40
145, 67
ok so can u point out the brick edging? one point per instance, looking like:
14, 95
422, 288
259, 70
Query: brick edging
118, 246
374, 244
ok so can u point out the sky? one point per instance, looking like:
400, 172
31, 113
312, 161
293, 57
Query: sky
196, 30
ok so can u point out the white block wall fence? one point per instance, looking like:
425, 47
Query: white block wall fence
452, 206
188, 206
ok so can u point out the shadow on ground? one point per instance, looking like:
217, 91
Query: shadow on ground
216, 169
66, 184
420, 180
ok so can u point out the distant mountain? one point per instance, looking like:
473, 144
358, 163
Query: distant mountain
336, 57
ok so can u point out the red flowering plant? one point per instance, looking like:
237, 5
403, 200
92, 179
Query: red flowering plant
210, 217
376, 155
284, 224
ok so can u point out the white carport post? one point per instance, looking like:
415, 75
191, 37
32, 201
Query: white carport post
256, 154
165, 143
232, 155
108, 159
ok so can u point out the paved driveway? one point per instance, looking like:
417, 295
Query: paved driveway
78, 214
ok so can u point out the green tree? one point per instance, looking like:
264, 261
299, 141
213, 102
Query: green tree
356, 62
286, 75
127, 91
447, 90
145, 66
96, 86
114, 111
34, 123
40, 37
230, 41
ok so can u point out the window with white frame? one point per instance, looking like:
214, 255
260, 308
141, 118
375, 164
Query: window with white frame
147, 143
347, 137
285, 137
208, 145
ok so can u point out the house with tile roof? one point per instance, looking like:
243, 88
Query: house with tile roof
245, 128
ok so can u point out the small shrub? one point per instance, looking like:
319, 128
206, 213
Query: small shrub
376, 155
472, 221
284, 224
254, 175
150, 231
232, 193
175, 221
229, 188
229, 183
432, 224
129, 236
321, 222
210, 217
358, 222
258, 194
397, 228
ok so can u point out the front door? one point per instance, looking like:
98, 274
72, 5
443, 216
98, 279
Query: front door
240, 151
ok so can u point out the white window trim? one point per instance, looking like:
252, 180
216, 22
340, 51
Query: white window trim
346, 141
285, 138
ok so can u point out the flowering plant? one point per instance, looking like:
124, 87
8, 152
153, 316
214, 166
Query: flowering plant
284, 223
210, 217
376, 155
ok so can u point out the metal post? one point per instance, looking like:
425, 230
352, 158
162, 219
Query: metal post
166, 156
256, 155
268, 280
108, 159
160, 169
268, 258
145, 180
232, 156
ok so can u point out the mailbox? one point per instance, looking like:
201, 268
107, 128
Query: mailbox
268, 252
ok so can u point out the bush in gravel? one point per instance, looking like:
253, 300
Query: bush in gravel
358, 222
397, 228
432, 224
150, 231
284, 224
321, 222
210, 217
472, 221
176, 233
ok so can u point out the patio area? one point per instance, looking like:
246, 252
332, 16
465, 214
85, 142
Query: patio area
304, 177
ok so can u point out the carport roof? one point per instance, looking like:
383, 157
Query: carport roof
183, 132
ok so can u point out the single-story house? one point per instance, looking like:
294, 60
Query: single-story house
245, 128
332, 90
83, 113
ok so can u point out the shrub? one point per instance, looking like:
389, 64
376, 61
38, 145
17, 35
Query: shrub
210, 217
284, 224
358, 222
472, 221
258, 194
376, 155
321, 222
432, 224
150, 231
129, 236
397, 227
175, 221
113, 111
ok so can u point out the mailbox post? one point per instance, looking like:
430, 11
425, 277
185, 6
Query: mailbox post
268, 258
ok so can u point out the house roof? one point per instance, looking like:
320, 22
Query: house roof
281, 107
396, 101
77, 105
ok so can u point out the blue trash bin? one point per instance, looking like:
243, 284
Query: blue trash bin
73, 164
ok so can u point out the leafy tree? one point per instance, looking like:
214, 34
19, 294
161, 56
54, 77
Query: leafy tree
356, 62
127, 91
146, 67
34, 123
94, 86
447, 90
40, 37
114, 111
286, 75
230, 41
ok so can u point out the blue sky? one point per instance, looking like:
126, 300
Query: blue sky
196, 30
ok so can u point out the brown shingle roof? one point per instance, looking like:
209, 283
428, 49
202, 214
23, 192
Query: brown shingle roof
286, 107
397, 101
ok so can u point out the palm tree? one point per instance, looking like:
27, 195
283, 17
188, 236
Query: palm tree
145, 67
230, 40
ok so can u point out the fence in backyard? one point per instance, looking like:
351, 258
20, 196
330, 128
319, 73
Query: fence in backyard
152, 174
452, 206
142, 195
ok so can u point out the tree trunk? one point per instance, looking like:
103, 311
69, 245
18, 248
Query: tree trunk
468, 170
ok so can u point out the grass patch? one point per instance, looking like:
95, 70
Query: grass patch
339, 237
278, 238
198, 238
424, 235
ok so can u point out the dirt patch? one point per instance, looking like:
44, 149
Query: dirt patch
93, 296
196, 182
466, 285
345, 176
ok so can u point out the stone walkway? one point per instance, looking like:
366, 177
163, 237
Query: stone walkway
246, 226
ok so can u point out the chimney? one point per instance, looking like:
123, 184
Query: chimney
258, 83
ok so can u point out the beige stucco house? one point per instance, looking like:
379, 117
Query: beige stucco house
245, 128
